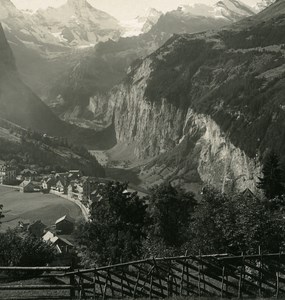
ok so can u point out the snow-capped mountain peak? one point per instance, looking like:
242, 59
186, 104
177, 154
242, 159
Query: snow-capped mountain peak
142, 23
8, 10
233, 10
79, 4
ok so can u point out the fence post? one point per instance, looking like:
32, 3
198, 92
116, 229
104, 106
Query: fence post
72, 281
240, 285
170, 285
278, 276
260, 271
222, 285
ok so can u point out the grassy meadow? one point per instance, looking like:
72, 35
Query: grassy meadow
29, 207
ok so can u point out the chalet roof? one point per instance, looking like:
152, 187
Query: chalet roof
84, 179
28, 171
248, 193
26, 183
64, 218
50, 237
95, 192
74, 171
38, 223
50, 179
61, 180
66, 241
6, 167
62, 175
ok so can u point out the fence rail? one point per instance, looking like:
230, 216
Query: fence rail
223, 276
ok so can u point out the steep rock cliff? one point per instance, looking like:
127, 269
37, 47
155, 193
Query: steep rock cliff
188, 147
206, 107
100, 69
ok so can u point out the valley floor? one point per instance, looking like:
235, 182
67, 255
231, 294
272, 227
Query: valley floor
121, 164
29, 207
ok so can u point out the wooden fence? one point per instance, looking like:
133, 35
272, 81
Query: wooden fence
221, 276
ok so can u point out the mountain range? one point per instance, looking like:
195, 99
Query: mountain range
47, 42
206, 107
75, 96
78, 23
194, 100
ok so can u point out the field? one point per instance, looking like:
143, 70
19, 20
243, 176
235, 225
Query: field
30, 207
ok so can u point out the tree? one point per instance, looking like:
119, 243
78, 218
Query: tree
234, 224
116, 229
169, 213
24, 250
205, 231
272, 182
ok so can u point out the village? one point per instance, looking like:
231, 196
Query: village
71, 185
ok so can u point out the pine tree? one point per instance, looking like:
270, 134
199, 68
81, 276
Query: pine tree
272, 182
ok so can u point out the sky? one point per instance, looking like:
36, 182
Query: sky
120, 9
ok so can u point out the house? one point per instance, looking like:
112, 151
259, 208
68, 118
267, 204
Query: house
74, 174
61, 175
63, 246
88, 186
7, 174
61, 185
37, 228
71, 189
23, 226
48, 183
45, 187
96, 194
65, 225
28, 174
85, 187
27, 187
247, 193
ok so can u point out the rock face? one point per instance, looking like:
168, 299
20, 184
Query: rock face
233, 10
99, 70
206, 107
78, 23
187, 146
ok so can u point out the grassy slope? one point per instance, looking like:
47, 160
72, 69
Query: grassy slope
33, 149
